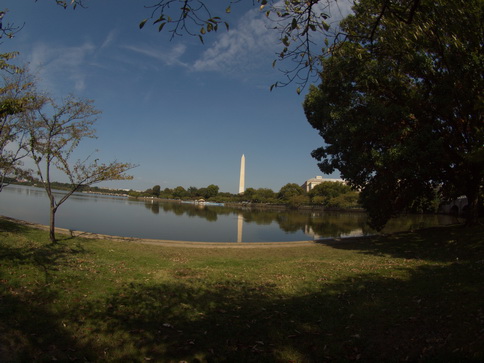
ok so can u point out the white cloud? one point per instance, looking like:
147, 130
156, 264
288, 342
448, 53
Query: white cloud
241, 48
254, 42
168, 57
57, 64
109, 39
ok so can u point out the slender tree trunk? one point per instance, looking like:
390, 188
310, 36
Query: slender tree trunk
53, 209
472, 217
473, 188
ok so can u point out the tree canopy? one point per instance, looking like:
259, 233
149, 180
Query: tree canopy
400, 105
16, 96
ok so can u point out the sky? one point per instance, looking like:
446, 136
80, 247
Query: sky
183, 111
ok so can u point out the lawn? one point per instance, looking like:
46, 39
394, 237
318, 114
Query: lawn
410, 296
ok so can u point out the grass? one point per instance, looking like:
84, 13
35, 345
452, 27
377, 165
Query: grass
411, 296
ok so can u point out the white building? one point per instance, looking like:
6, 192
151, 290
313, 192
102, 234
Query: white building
311, 183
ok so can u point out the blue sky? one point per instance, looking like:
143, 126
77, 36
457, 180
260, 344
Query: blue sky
183, 111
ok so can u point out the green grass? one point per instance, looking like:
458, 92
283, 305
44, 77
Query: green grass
409, 296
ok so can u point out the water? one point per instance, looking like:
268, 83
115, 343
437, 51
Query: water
125, 217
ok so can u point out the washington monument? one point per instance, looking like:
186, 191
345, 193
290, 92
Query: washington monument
242, 175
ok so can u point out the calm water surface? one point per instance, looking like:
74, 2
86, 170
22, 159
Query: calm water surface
125, 217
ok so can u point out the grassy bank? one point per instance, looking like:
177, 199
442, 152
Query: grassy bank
416, 296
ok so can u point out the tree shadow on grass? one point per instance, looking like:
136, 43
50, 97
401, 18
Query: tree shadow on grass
32, 330
434, 314
46, 257
442, 244
428, 312
8, 225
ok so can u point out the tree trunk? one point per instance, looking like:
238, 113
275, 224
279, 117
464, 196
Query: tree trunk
53, 209
473, 188
472, 214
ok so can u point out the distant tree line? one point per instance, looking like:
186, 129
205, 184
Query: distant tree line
327, 194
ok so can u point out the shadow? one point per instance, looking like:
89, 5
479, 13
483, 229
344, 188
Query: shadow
433, 244
47, 257
32, 330
391, 310
11, 226
32, 325
430, 315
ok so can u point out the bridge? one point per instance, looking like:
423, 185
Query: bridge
457, 206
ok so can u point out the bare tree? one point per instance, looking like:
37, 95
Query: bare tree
55, 131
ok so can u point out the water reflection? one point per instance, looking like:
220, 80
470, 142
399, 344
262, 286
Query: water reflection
240, 226
195, 222
316, 224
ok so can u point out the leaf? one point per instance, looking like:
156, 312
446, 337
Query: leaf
142, 24
160, 28
228, 10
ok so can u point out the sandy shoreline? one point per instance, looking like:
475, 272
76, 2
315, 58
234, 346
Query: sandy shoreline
166, 243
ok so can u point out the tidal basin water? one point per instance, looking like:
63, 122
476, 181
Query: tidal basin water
125, 217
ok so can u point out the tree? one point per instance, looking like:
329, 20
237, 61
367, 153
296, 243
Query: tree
211, 191
179, 192
290, 190
192, 192
55, 130
156, 190
400, 105
327, 191
249, 194
264, 195
17, 94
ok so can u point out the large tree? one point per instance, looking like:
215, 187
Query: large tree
55, 130
400, 105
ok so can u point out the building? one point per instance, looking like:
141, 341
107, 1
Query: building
311, 183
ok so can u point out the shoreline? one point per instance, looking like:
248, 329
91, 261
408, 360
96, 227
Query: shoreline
166, 243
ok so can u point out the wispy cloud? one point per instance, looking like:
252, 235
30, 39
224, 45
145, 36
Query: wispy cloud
241, 48
251, 43
55, 65
166, 56
110, 38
